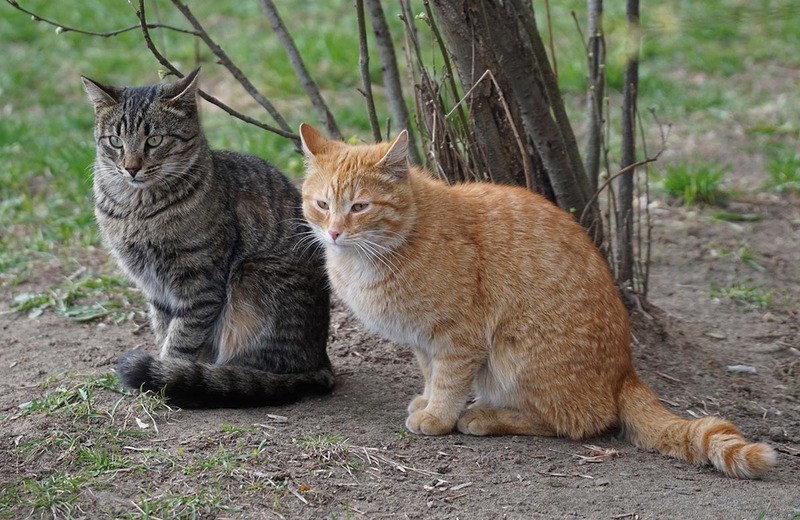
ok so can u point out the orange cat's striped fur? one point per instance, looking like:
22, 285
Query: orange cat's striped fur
498, 291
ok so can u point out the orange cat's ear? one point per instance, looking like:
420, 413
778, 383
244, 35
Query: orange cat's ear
397, 155
312, 140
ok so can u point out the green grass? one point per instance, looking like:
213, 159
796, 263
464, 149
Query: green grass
88, 298
201, 504
94, 436
696, 183
783, 171
748, 293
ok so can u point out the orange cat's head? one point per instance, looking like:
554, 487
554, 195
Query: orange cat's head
357, 197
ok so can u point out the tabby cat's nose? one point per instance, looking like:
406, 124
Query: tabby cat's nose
132, 171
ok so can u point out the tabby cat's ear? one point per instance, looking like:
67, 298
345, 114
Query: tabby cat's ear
182, 90
397, 155
101, 95
312, 140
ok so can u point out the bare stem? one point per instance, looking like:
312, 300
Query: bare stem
235, 71
364, 65
391, 74
148, 40
62, 28
314, 95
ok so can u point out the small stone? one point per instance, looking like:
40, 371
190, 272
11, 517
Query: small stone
602, 482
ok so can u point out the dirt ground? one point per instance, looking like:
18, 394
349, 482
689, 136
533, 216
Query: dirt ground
347, 455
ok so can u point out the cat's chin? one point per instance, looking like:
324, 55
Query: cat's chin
339, 248
139, 184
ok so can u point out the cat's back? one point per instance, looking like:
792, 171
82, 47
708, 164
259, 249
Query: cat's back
527, 248
266, 204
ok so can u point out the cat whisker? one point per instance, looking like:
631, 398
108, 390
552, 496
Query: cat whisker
309, 240
383, 257
365, 253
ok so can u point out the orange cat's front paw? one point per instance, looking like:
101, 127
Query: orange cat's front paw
473, 422
418, 403
427, 424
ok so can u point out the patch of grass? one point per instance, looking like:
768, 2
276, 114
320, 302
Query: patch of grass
746, 292
224, 461
237, 429
783, 172
729, 216
88, 298
77, 399
695, 183
328, 450
203, 503
55, 494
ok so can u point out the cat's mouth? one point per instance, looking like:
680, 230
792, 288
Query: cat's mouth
138, 183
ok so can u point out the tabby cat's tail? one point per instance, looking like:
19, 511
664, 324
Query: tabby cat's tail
708, 440
191, 384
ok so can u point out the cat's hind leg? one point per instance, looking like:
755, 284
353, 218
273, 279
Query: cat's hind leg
484, 420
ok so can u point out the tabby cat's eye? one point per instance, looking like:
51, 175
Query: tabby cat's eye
154, 140
321, 204
358, 207
115, 141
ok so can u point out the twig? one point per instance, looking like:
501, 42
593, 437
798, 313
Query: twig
226, 62
299, 67
648, 160
669, 377
501, 97
391, 75
363, 63
148, 40
550, 36
62, 28
386, 460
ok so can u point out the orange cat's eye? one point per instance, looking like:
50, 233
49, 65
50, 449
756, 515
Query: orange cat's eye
358, 206
321, 204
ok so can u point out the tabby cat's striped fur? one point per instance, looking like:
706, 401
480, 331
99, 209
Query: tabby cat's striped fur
498, 291
240, 312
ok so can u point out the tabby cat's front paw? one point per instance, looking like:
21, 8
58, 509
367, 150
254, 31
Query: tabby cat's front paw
418, 403
427, 424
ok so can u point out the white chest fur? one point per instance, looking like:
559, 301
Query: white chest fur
373, 298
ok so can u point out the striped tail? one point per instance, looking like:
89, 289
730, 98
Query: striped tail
203, 385
708, 440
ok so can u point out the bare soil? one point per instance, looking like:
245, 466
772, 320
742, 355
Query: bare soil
374, 469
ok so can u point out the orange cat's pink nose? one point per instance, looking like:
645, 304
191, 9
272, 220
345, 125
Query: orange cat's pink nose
334, 234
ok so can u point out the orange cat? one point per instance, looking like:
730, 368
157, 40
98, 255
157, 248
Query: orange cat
498, 291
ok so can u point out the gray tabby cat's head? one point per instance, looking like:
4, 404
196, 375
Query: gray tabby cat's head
144, 134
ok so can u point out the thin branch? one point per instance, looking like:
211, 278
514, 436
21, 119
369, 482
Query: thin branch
550, 36
235, 71
62, 28
445, 53
628, 134
391, 75
314, 95
628, 168
364, 65
148, 40
517, 137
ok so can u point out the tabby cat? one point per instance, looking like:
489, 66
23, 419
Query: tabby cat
240, 313
497, 290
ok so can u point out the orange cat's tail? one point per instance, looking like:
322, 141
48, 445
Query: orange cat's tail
708, 440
